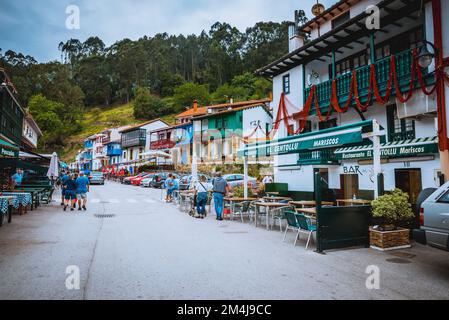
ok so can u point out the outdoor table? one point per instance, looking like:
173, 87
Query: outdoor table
35, 195
5, 207
268, 206
232, 200
20, 199
276, 199
353, 202
304, 204
309, 211
272, 193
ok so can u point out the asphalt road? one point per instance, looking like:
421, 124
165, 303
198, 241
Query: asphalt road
151, 250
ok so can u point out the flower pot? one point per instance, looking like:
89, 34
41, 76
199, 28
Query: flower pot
390, 240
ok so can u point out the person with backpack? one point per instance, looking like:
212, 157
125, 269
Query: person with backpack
201, 189
220, 188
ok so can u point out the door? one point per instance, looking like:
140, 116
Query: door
409, 181
349, 184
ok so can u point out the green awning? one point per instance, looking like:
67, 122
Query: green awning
329, 138
397, 149
8, 149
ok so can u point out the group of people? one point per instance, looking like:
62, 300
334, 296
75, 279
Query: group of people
74, 189
172, 185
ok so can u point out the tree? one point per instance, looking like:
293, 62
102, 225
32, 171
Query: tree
148, 106
227, 92
185, 94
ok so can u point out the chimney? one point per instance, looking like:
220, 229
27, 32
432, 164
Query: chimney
295, 40
195, 106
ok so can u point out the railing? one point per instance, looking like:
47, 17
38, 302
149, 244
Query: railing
382, 66
113, 152
162, 144
325, 156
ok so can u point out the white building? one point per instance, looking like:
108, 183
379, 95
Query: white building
31, 133
338, 147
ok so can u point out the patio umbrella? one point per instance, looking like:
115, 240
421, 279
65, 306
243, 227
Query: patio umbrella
53, 170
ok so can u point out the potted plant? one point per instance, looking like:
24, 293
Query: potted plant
391, 209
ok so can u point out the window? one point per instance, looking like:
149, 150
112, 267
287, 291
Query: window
444, 198
331, 123
291, 130
286, 84
307, 127
338, 21
399, 129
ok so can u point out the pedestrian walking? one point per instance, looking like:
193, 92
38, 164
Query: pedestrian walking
201, 189
63, 181
17, 178
220, 188
70, 193
82, 183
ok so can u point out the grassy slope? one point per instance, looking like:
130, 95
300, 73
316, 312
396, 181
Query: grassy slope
97, 120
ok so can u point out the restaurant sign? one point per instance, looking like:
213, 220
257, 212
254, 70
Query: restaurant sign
8, 153
390, 152
294, 146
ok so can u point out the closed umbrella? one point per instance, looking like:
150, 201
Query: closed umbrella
194, 169
53, 170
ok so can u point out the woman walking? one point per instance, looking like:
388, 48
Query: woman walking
202, 190
70, 193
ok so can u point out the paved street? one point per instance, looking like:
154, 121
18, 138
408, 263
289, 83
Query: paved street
150, 250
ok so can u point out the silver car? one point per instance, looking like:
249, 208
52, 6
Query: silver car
434, 216
96, 178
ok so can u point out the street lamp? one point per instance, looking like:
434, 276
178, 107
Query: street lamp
425, 57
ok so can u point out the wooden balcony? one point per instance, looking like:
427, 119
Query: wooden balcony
162, 144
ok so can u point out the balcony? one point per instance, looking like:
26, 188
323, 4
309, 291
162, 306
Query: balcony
86, 156
162, 144
88, 144
114, 152
136, 138
403, 67
317, 157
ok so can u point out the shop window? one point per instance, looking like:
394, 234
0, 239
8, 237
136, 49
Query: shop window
307, 127
286, 84
291, 130
399, 129
331, 123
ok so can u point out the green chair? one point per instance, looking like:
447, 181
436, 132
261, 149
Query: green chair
292, 224
279, 215
241, 209
305, 227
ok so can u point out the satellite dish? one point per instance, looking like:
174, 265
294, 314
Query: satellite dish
317, 9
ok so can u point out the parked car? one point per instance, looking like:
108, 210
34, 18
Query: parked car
138, 180
184, 182
146, 182
96, 177
159, 179
237, 179
129, 180
434, 219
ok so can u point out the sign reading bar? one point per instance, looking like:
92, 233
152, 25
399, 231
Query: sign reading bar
393, 152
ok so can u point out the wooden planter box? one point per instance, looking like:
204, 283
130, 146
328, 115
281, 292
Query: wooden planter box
390, 240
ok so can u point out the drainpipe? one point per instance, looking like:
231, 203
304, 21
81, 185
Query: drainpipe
441, 95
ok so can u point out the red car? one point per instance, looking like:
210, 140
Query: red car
129, 179
137, 180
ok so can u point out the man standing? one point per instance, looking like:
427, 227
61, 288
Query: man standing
220, 187
82, 183
17, 178
267, 179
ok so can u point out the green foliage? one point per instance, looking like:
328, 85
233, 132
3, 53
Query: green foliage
393, 207
185, 94
148, 106
239, 192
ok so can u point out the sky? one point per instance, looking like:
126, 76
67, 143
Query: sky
36, 27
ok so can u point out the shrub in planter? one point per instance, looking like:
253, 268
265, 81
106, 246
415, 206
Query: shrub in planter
392, 208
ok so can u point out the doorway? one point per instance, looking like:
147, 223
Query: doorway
349, 185
409, 181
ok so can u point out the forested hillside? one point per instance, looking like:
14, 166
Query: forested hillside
155, 76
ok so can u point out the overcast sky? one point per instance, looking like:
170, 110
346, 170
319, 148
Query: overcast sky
36, 27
